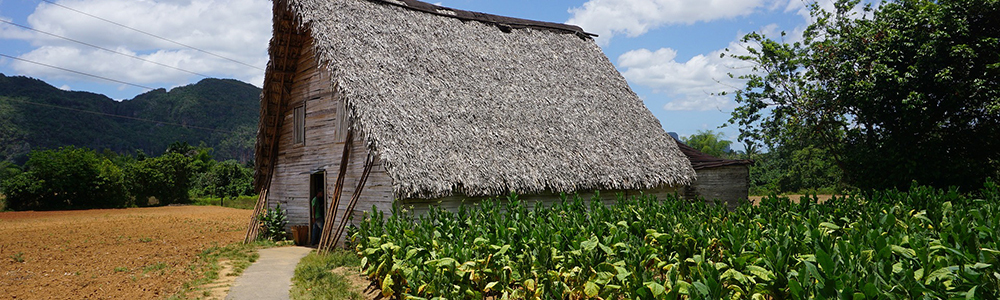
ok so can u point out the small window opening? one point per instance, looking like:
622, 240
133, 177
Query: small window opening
299, 116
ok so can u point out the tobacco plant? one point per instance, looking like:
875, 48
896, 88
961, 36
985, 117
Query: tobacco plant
921, 243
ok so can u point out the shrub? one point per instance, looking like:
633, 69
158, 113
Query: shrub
273, 223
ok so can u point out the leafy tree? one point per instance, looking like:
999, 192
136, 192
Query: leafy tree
709, 142
227, 179
165, 178
909, 90
68, 178
7, 170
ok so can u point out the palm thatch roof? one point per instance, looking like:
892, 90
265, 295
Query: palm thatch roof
454, 101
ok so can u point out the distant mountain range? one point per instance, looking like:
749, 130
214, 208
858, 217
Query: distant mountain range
217, 113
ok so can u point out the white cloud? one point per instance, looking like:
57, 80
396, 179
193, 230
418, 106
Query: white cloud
690, 84
8, 31
235, 29
608, 18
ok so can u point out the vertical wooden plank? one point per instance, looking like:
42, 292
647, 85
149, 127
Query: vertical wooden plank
325, 134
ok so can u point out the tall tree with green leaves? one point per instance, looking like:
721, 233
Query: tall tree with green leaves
68, 178
709, 142
908, 90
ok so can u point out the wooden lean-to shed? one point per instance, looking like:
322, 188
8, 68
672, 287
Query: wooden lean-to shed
402, 102
718, 179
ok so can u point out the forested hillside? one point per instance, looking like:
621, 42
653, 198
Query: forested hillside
221, 113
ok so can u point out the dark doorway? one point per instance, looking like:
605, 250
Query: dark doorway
317, 210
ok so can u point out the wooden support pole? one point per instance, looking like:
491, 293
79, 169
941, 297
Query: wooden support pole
254, 227
354, 199
338, 188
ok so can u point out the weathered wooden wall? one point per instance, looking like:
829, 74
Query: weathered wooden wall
727, 183
421, 206
326, 131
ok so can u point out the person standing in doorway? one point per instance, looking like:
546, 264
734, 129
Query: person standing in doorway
317, 225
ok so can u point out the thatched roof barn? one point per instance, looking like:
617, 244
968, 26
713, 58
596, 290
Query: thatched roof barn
726, 180
404, 101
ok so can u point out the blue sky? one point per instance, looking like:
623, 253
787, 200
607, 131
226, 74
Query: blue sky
668, 50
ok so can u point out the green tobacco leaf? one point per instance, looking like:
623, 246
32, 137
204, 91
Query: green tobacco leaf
606, 249
825, 261
939, 274
590, 289
502, 250
603, 277
870, 290
589, 244
529, 284
387, 286
829, 225
735, 275
814, 272
971, 294
622, 273
978, 266
905, 252
761, 272
701, 287
795, 288
655, 288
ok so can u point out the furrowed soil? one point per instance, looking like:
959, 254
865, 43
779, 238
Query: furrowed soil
135, 253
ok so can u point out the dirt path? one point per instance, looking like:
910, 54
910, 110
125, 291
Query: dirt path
136, 253
270, 277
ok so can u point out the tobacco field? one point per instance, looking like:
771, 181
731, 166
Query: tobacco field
917, 244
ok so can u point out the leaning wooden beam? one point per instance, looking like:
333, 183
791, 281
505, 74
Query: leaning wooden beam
283, 93
354, 199
338, 188
254, 227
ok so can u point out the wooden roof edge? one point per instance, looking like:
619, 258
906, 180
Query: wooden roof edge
700, 160
486, 18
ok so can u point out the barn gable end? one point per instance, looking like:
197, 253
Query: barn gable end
446, 105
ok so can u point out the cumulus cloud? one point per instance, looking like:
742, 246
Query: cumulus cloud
608, 18
235, 29
690, 84
8, 31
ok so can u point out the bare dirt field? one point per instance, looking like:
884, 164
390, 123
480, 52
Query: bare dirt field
135, 253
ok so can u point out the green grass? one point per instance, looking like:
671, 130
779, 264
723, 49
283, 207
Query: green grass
314, 280
241, 202
19, 257
154, 267
239, 255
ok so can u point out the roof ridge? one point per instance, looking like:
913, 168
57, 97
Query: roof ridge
505, 23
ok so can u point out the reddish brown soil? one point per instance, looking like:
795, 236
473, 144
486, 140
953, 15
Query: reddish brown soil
135, 253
